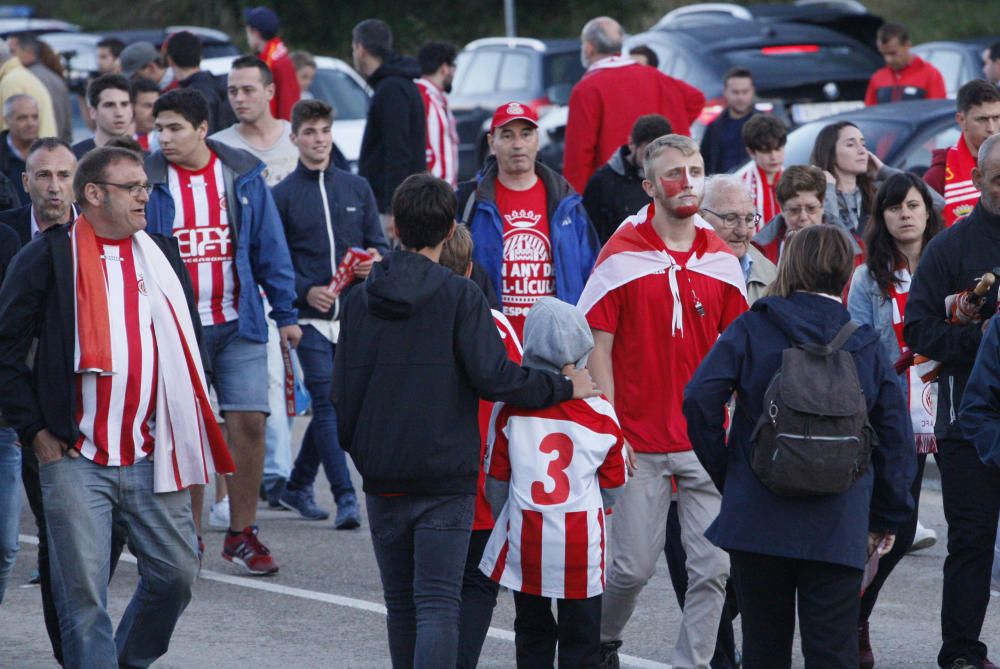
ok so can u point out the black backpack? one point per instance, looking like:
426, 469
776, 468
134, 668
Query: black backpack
813, 437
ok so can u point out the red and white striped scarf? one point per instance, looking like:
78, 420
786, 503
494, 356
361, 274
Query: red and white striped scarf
960, 193
189, 446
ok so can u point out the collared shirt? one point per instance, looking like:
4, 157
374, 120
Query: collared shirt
35, 230
746, 262
10, 145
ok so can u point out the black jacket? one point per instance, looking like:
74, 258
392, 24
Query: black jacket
220, 113
20, 221
13, 168
354, 216
37, 303
952, 262
395, 140
10, 244
418, 348
614, 193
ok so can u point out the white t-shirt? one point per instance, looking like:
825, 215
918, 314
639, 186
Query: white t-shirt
280, 159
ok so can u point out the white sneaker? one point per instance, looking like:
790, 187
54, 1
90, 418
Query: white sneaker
218, 515
923, 538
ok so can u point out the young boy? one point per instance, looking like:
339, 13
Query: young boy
548, 541
417, 350
765, 137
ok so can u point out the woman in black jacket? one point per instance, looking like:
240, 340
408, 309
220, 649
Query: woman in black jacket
806, 550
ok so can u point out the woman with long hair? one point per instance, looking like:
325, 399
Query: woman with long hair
809, 551
850, 167
903, 222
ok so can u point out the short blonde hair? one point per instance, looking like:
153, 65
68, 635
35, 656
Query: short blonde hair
683, 143
456, 254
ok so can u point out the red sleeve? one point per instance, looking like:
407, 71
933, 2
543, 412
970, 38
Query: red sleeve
498, 453
934, 176
287, 91
582, 126
936, 89
870, 92
605, 314
611, 473
734, 304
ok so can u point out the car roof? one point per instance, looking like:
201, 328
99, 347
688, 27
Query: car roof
540, 45
912, 111
965, 43
158, 35
10, 26
219, 66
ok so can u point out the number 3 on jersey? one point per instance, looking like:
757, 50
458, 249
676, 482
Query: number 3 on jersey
562, 446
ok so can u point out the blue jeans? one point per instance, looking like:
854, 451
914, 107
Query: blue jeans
81, 501
10, 503
421, 544
320, 443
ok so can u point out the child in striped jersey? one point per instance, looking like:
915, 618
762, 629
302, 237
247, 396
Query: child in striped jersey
551, 473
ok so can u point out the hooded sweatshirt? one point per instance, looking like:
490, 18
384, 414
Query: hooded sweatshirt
394, 143
614, 193
418, 348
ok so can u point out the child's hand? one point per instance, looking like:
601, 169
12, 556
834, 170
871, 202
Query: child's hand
583, 385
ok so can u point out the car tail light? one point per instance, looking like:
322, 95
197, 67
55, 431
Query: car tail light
541, 105
711, 110
789, 48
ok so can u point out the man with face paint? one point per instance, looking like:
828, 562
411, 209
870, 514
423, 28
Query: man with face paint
675, 287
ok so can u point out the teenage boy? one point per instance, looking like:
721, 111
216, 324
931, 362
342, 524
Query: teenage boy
317, 243
213, 199
765, 137
417, 349
550, 544
722, 145
109, 105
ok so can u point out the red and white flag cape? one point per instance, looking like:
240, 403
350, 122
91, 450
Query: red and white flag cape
629, 256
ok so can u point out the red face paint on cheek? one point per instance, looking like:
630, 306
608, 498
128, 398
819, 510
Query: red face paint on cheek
672, 187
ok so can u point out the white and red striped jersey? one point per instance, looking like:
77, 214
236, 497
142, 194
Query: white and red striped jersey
201, 226
549, 537
113, 410
442, 133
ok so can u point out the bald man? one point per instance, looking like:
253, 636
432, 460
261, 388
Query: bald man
967, 457
612, 94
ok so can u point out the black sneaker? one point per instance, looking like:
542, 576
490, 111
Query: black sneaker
609, 655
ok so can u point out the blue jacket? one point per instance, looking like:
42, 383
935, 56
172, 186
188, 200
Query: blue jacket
980, 409
261, 252
574, 241
868, 306
301, 199
830, 528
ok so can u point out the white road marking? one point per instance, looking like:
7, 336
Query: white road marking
339, 600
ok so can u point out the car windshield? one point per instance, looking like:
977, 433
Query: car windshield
562, 68
882, 137
338, 89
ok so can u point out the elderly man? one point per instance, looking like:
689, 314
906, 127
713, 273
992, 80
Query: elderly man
27, 48
20, 113
16, 79
729, 208
87, 415
613, 93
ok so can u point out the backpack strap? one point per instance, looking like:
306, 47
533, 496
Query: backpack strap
842, 336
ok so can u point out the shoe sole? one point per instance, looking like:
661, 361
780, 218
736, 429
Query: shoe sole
286, 505
923, 544
239, 561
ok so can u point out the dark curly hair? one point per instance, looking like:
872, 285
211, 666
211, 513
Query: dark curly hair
883, 254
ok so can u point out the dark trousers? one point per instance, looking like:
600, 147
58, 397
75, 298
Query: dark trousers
421, 544
971, 494
768, 589
725, 644
479, 598
577, 632
904, 539
320, 443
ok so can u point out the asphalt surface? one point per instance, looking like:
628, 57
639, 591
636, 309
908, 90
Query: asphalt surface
324, 608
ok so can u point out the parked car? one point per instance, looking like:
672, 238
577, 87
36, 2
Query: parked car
495, 70
901, 134
339, 85
959, 61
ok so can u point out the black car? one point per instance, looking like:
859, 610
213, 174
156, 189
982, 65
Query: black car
959, 62
901, 134
495, 70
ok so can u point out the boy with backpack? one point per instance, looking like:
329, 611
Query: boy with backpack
548, 541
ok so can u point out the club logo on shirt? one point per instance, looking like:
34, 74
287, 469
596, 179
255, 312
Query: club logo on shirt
142, 284
522, 218
223, 202
527, 272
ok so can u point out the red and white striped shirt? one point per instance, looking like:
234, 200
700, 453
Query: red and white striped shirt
549, 537
442, 133
113, 410
201, 227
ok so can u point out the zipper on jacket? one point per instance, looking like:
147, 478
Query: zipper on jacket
951, 399
329, 235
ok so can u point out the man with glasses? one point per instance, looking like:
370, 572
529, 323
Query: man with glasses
729, 208
120, 299
800, 194
213, 199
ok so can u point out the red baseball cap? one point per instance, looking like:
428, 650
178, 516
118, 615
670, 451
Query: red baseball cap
513, 111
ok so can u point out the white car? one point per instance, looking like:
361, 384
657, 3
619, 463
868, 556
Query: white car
339, 85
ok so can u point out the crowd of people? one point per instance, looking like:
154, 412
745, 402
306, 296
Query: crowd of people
545, 381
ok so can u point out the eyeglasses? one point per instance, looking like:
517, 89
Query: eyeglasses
732, 219
133, 189
810, 209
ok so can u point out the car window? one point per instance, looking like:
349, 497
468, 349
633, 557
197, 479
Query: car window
818, 60
949, 62
562, 68
680, 67
919, 155
515, 75
340, 90
882, 137
479, 75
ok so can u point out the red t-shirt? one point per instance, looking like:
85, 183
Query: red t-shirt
527, 274
651, 366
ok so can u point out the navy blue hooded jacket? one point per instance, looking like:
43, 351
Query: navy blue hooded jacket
301, 199
831, 528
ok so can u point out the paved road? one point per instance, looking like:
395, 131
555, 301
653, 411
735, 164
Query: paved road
324, 610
